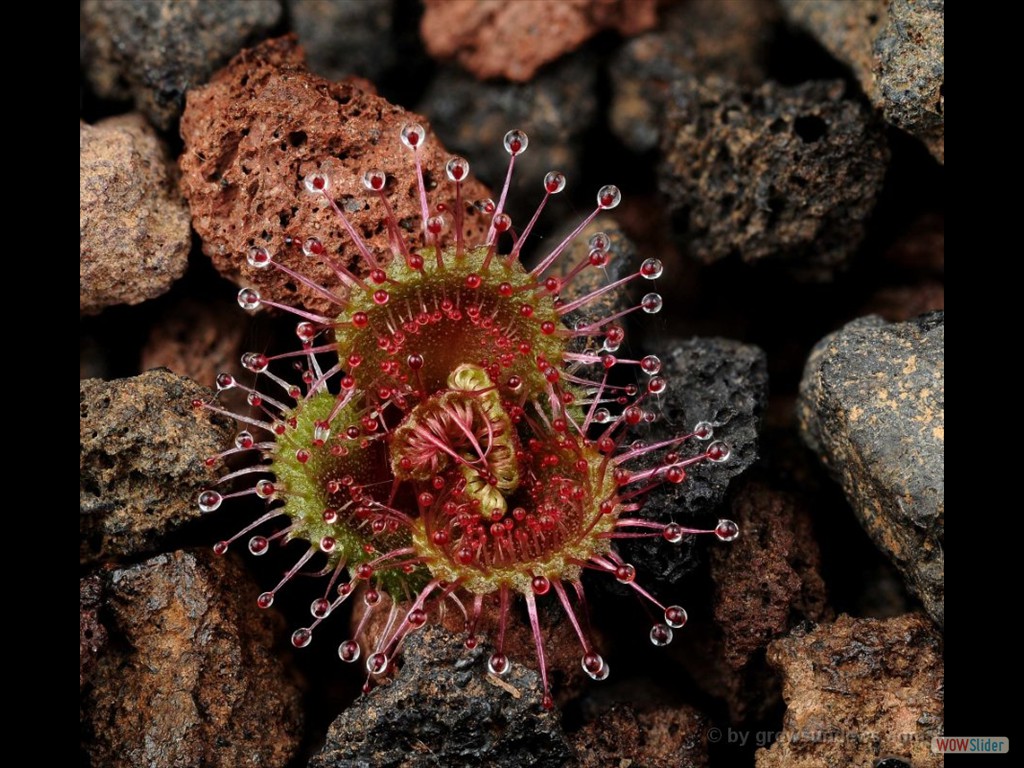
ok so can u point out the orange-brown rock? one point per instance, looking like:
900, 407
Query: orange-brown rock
134, 237
859, 690
189, 675
654, 737
141, 451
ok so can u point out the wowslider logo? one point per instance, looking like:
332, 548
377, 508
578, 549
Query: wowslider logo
948, 745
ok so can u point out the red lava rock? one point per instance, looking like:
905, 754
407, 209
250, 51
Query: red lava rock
496, 38
134, 236
191, 678
766, 581
858, 690
258, 128
768, 576
198, 340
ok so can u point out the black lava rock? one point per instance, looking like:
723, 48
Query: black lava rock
773, 172
445, 709
716, 380
343, 38
152, 51
699, 37
472, 118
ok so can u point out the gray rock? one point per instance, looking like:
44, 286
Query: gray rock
622, 261
142, 446
444, 709
554, 109
699, 37
771, 173
911, 81
189, 676
896, 50
134, 234
872, 407
152, 51
345, 37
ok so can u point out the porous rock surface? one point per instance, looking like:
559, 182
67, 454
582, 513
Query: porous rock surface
769, 574
342, 38
720, 381
859, 690
896, 50
474, 116
445, 709
154, 51
92, 633
765, 582
562, 650
698, 37
142, 447
134, 235
629, 734
781, 173
252, 135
